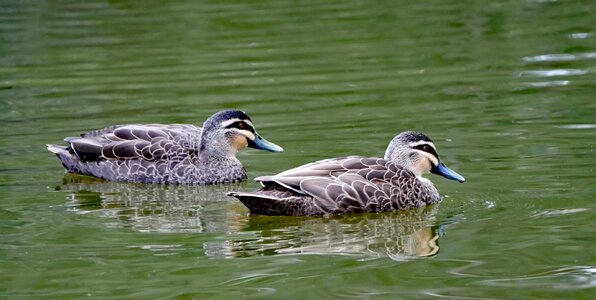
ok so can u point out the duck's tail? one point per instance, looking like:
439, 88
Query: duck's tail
70, 162
57, 149
261, 204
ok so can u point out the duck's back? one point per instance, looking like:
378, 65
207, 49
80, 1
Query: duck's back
341, 185
152, 153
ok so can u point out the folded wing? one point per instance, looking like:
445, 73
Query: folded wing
149, 142
350, 184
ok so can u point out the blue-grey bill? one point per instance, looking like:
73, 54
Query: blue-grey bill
446, 172
263, 144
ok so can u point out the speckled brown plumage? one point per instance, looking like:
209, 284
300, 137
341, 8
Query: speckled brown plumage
158, 153
353, 184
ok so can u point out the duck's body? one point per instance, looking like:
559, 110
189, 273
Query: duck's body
354, 184
158, 153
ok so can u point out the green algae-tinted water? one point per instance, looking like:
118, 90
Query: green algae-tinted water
505, 88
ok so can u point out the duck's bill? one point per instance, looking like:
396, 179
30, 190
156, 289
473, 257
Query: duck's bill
263, 144
442, 170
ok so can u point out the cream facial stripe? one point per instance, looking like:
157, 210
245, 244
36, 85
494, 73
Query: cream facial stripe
418, 143
249, 135
234, 120
430, 157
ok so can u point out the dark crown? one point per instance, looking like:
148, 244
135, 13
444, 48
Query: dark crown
413, 136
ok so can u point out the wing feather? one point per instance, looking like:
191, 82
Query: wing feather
145, 142
318, 188
347, 184
85, 149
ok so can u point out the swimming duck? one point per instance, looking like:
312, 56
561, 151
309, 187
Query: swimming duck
354, 184
158, 153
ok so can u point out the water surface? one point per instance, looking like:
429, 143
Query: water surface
505, 89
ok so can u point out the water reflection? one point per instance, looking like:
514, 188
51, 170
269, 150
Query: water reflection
173, 208
398, 235
163, 208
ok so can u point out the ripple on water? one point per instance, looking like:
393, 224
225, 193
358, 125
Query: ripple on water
559, 57
580, 35
553, 73
161, 250
542, 84
576, 126
571, 277
557, 212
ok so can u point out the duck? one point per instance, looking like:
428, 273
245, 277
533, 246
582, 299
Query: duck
165, 153
354, 184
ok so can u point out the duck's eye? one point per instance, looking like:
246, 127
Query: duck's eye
241, 125
427, 148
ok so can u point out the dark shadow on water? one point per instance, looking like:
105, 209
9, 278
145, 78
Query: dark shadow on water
155, 208
398, 235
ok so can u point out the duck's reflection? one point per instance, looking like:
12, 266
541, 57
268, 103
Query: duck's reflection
198, 209
163, 208
398, 235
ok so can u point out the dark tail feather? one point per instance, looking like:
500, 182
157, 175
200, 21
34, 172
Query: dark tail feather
271, 206
70, 162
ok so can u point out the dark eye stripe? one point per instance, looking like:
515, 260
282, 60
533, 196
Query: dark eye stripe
427, 148
241, 125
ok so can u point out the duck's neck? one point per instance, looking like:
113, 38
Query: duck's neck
215, 145
209, 158
220, 169
217, 166
431, 191
405, 163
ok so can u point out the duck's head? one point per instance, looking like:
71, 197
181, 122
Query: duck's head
417, 152
228, 131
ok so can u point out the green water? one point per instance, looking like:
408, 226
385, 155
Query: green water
505, 88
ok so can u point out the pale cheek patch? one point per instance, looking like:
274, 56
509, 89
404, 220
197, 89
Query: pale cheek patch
425, 164
239, 142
